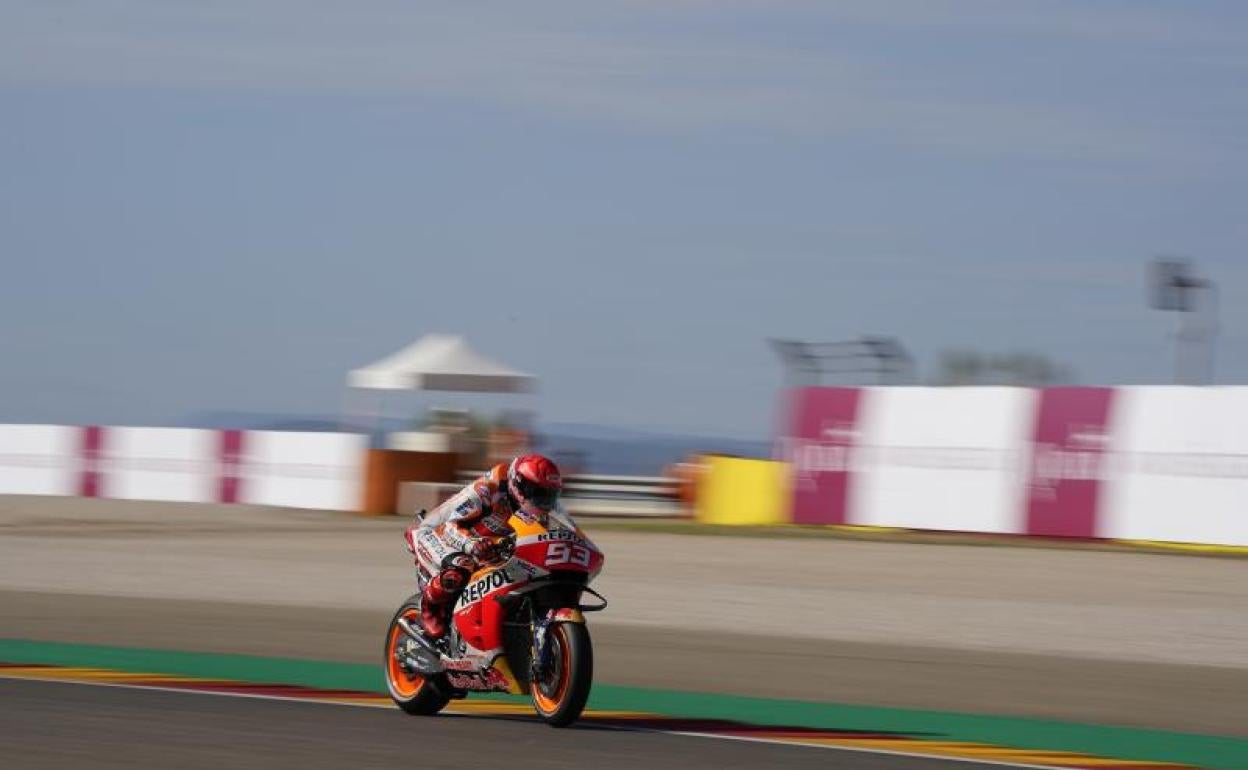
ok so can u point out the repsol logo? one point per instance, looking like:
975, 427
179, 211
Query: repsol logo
559, 534
496, 579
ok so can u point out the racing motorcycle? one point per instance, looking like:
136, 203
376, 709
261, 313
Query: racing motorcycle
518, 627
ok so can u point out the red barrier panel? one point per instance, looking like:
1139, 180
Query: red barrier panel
230, 461
819, 444
1070, 444
90, 457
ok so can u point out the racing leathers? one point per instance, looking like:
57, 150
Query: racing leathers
469, 530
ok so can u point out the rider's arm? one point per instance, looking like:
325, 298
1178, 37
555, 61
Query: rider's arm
464, 507
458, 514
467, 506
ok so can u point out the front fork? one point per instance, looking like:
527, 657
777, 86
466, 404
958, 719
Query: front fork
542, 653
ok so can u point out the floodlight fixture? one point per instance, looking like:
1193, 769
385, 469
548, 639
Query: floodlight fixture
1175, 287
882, 360
1174, 284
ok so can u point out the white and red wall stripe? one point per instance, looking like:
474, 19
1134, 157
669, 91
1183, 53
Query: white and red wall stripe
1136, 463
307, 470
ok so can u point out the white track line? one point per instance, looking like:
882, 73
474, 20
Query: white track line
622, 728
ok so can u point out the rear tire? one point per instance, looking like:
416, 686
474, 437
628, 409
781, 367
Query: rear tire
560, 700
415, 694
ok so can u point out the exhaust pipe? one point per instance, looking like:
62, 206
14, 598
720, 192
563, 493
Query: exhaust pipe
428, 660
417, 636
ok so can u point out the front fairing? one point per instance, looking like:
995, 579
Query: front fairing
558, 545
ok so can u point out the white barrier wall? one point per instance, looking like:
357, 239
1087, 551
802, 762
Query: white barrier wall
175, 464
303, 470
306, 470
38, 460
1179, 468
1137, 463
941, 458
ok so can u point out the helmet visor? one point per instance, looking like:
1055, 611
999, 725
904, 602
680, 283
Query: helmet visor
536, 495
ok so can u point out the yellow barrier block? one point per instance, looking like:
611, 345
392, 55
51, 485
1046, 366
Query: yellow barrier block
738, 491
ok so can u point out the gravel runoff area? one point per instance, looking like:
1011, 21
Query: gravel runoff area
1127, 638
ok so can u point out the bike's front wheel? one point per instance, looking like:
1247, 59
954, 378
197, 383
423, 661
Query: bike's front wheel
561, 695
415, 694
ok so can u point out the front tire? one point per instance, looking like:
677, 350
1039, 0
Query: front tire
560, 699
415, 694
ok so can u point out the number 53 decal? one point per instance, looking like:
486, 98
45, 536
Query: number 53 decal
566, 553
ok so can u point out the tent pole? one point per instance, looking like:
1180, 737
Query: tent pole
346, 414
379, 408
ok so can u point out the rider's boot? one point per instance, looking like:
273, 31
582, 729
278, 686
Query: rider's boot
435, 600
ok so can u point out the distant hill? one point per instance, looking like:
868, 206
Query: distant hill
627, 452
598, 448
265, 421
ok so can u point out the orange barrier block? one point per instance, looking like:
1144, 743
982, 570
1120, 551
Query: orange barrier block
384, 469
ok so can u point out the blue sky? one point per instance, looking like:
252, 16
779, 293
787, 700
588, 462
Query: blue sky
226, 205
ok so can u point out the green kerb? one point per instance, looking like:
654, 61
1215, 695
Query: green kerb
1101, 740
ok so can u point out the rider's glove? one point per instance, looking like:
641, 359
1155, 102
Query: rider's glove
483, 549
506, 547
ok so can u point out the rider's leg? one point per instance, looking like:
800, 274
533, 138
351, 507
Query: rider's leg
441, 592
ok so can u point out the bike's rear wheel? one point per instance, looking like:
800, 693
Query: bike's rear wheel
560, 698
415, 694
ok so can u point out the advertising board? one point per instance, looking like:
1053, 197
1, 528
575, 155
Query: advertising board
941, 458
175, 464
303, 470
1180, 466
38, 459
819, 442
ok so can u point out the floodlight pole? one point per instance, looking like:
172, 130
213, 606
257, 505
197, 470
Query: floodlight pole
1198, 331
1177, 289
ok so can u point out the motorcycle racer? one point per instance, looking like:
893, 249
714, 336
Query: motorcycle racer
471, 529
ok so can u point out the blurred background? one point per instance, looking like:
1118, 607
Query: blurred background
884, 268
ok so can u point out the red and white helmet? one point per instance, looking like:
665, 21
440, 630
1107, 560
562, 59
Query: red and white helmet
534, 483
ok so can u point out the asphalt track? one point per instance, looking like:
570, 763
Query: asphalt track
1196, 698
1128, 639
57, 725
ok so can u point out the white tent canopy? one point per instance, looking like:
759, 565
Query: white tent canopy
440, 362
